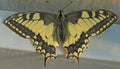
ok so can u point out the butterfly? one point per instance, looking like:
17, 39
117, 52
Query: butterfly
72, 30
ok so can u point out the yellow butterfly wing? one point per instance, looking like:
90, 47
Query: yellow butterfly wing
84, 24
39, 27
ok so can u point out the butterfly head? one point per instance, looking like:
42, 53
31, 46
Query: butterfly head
60, 14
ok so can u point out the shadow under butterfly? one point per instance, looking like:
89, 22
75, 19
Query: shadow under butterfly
72, 31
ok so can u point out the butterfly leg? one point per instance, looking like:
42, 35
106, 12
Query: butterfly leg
73, 50
48, 51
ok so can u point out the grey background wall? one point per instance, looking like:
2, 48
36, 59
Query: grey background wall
31, 5
41, 5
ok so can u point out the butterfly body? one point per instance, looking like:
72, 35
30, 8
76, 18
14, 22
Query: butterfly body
61, 27
72, 30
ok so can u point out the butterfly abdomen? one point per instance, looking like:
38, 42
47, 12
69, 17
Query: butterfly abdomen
59, 32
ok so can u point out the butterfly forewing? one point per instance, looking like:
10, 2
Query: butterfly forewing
93, 22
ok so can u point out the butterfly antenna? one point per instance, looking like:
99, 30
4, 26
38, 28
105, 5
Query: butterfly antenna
51, 5
67, 5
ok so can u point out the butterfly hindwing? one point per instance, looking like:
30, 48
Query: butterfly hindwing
82, 25
39, 27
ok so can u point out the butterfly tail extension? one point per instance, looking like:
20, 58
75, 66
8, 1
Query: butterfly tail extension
48, 51
74, 50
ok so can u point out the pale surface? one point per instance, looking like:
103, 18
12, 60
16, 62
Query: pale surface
14, 59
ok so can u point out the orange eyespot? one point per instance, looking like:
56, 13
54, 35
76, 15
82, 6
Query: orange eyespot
66, 51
